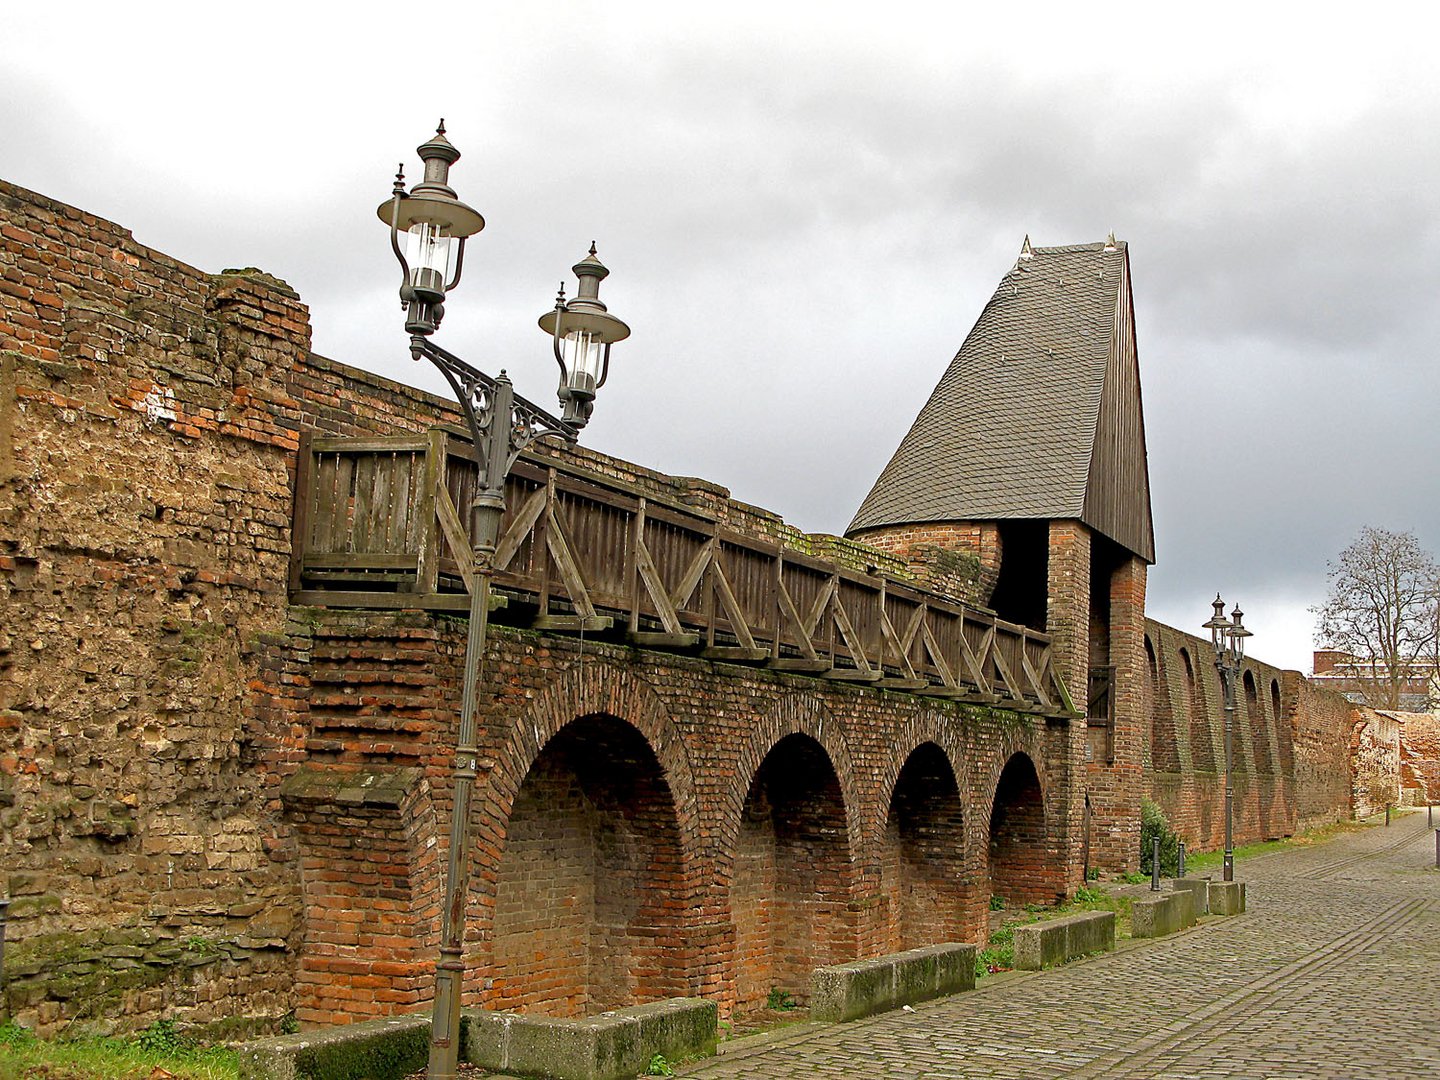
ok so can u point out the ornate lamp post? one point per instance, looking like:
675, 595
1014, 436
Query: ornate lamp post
434, 225
1228, 636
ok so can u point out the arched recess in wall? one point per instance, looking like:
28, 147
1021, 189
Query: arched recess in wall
1164, 744
1252, 733
1260, 728
924, 875
1284, 741
1023, 867
584, 834
791, 879
584, 913
1202, 746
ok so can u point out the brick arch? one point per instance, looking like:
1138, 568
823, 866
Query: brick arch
1164, 739
788, 872
793, 714
1021, 860
927, 864
585, 852
931, 727
587, 689
1027, 742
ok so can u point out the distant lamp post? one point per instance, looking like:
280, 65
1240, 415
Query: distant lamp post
1228, 636
428, 229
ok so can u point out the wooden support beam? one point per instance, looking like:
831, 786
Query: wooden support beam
1012, 687
558, 541
792, 614
656, 588
455, 536
735, 654
932, 648
1033, 678
691, 578
524, 521
910, 685
738, 624
851, 639
390, 601
852, 675
803, 665
647, 640
573, 623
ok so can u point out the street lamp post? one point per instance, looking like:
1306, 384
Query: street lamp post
434, 225
1228, 636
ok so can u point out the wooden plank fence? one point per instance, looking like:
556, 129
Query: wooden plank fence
379, 523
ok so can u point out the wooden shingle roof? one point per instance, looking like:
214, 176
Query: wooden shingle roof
1039, 414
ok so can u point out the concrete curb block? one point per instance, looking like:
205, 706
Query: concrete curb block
1198, 888
1227, 897
612, 1046
865, 987
387, 1049
1058, 941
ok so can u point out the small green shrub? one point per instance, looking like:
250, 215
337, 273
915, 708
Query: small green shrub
779, 1000
12, 1034
1152, 826
660, 1067
997, 903
161, 1037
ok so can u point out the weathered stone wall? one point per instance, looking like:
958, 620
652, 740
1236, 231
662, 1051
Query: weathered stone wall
1320, 725
960, 559
1374, 761
1419, 758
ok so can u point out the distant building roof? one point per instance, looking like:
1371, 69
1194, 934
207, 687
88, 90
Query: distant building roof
1039, 414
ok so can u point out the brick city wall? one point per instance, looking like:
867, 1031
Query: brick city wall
1374, 762
223, 809
174, 841
651, 825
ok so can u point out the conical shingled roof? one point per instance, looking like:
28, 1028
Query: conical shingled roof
1016, 427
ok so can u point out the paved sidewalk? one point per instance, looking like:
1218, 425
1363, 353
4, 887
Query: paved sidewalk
1333, 974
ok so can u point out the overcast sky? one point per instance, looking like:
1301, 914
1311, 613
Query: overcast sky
804, 208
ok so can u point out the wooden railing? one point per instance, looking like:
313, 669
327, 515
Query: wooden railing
378, 523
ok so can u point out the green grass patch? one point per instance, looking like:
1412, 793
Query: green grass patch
23, 1056
1209, 860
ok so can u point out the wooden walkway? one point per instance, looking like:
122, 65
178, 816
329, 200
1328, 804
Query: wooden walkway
378, 524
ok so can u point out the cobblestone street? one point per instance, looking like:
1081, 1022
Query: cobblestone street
1334, 972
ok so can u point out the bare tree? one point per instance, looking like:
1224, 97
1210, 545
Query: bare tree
1384, 612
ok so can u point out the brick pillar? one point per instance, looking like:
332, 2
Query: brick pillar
371, 891
1068, 623
1115, 786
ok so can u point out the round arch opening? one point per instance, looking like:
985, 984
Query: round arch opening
586, 916
790, 884
925, 876
1025, 865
